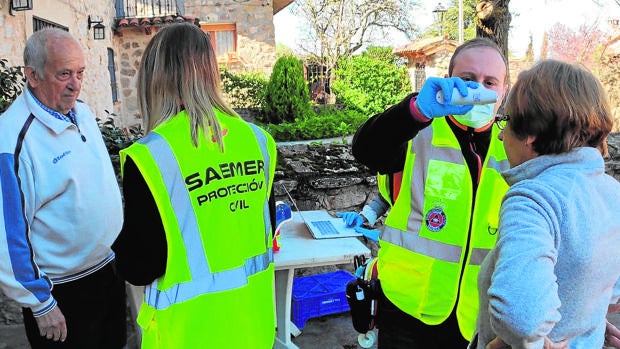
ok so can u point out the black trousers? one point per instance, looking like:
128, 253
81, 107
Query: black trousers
95, 310
399, 330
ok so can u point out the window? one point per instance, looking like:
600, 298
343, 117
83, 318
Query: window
224, 40
112, 70
39, 23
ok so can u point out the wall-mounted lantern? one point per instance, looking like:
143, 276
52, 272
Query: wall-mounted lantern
19, 5
98, 29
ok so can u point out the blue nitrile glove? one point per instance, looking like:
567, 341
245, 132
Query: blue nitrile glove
352, 219
427, 98
372, 234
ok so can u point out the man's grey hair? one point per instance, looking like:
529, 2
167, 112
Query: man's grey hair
35, 53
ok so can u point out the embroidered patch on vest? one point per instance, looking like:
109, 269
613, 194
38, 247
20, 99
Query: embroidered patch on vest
435, 219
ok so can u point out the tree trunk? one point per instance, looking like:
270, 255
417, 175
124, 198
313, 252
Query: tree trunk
493, 21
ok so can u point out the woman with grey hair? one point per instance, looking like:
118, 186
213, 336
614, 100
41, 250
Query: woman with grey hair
555, 268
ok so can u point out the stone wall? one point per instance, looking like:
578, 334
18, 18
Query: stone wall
17, 27
612, 164
256, 41
322, 176
129, 48
255, 44
326, 176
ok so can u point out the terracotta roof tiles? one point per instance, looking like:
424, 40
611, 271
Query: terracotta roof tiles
152, 21
425, 47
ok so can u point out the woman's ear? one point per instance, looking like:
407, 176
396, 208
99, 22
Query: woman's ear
529, 144
529, 140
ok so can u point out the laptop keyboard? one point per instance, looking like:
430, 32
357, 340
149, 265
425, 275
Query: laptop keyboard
326, 227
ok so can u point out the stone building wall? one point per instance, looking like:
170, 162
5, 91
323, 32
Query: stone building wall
255, 31
255, 45
17, 27
129, 48
256, 41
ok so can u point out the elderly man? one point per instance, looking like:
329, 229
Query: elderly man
60, 208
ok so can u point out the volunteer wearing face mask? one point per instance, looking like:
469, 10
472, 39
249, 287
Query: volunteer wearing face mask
445, 215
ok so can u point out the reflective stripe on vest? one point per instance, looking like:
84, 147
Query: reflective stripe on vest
262, 141
207, 282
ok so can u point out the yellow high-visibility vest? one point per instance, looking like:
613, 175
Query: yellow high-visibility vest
435, 238
214, 207
383, 184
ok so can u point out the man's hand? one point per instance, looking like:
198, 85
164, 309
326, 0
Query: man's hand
498, 343
52, 325
427, 102
352, 219
371, 234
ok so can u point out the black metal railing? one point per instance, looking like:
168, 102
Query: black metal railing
40, 23
149, 8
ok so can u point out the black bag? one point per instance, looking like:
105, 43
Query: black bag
362, 295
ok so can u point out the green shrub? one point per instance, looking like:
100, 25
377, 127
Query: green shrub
116, 139
12, 82
329, 122
244, 90
287, 97
371, 82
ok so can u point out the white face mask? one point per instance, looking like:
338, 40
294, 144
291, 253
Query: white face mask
478, 116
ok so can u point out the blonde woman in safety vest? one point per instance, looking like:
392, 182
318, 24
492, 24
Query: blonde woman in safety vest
198, 208
444, 219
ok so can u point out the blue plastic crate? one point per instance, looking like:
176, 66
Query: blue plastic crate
318, 295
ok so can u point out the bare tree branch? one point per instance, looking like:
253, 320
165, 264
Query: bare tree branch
339, 28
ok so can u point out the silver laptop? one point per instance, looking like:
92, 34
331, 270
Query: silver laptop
323, 226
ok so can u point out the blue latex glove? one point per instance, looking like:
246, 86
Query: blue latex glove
352, 219
371, 234
427, 98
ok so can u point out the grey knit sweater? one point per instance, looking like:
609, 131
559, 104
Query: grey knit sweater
556, 265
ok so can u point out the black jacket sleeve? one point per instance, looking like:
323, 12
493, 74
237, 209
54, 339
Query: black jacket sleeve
381, 142
141, 249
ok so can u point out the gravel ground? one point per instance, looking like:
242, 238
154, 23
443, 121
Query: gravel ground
326, 332
13, 335
10, 312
